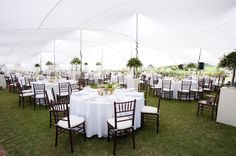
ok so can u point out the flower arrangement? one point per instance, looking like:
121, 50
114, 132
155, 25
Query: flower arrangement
107, 88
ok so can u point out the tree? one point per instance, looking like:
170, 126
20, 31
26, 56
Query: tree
36, 65
75, 61
229, 62
98, 63
134, 63
49, 64
85, 63
191, 66
150, 66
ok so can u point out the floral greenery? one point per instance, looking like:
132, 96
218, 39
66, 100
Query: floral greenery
75, 61
98, 64
49, 64
171, 71
134, 63
229, 62
36, 65
191, 66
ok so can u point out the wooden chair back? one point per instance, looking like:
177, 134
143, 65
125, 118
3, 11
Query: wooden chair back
124, 111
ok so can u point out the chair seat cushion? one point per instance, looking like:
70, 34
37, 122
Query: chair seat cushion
205, 102
27, 94
63, 94
141, 81
207, 89
27, 91
155, 87
120, 125
149, 109
75, 90
167, 90
184, 91
38, 96
197, 90
74, 121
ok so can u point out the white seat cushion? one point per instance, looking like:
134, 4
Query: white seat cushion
149, 109
141, 81
74, 121
27, 94
184, 91
75, 90
63, 94
39, 96
27, 91
155, 87
196, 90
120, 125
167, 90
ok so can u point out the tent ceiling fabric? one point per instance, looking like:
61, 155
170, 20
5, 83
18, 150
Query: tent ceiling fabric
170, 31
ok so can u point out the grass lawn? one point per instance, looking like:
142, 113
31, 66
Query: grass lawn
26, 132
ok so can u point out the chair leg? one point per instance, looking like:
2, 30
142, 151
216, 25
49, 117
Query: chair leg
157, 123
212, 113
197, 108
108, 133
19, 101
56, 140
84, 131
189, 96
133, 138
114, 145
71, 141
23, 102
35, 103
50, 119
141, 124
45, 103
30, 99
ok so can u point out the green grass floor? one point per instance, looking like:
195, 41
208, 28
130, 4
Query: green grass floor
26, 132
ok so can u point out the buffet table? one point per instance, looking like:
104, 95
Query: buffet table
227, 106
96, 109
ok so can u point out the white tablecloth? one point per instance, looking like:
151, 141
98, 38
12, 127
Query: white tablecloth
97, 109
176, 85
2, 81
49, 86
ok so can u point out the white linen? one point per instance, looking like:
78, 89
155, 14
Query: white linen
2, 81
176, 85
98, 109
49, 86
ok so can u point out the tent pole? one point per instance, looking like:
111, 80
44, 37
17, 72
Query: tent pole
199, 57
102, 60
41, 62
136, 35
54, 56
81, 56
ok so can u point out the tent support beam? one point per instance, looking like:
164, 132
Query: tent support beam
136, 35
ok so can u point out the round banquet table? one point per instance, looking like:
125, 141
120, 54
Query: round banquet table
96, 109
49, 86
176, 85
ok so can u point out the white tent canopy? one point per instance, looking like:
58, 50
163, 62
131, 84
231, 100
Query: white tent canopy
170, 31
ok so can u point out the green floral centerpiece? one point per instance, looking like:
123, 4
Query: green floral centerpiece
107, 88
